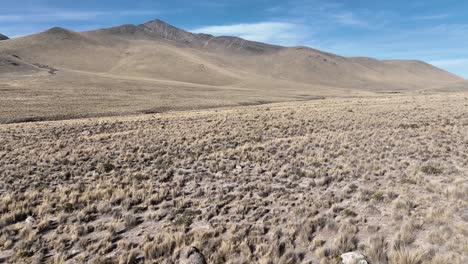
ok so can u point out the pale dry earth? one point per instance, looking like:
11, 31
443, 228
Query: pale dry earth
298, 182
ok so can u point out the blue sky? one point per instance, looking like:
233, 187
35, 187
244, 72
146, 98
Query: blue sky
435, 31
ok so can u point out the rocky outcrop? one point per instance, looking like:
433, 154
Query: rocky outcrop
353, 258
191, 255
3, 37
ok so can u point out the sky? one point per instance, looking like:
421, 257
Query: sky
435, 31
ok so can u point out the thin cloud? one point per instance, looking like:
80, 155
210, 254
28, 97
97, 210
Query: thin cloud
452, 30
37, 20
11, 18
328, 14
432, 17
55, 16
138, 12
58, 15
349, 19
281, 33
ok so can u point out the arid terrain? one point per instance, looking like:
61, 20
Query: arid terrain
298, 182
155, 67
151, 144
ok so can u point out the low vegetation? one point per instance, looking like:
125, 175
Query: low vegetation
298, 182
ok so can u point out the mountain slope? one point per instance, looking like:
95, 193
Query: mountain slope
158, 50
61, 73
15, 66
298, 64
3, 37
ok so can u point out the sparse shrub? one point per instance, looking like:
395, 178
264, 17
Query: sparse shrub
348, 213
129, 257
378, 196
432, 169
405, 256
377, 250
130, 220
162, 246
108, 167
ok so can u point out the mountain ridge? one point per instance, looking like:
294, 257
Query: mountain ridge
159, 28
162, 30
215, 57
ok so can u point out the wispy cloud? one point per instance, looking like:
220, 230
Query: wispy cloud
431, 17
138, 12
34, 20
61, 15
281, 33
349, 19
55, 16
330, 14
11, 18
451, 30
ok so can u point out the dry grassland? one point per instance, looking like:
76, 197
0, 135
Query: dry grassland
298, 182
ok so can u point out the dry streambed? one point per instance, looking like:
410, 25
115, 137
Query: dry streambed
281, 183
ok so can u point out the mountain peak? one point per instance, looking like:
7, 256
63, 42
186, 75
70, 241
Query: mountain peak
3, 37
164, 30
62, 34
59, 31
159, 25
156, 21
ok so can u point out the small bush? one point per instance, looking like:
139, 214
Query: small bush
432, 170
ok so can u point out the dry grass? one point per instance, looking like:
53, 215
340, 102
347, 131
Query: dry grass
283, 183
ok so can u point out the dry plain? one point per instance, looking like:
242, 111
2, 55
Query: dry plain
297, 182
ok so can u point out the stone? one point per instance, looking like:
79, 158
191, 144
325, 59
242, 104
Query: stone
30, 221
353, 258
191, 255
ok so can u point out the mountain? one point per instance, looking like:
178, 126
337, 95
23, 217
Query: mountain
178, 69
297, 64
158, 50
3, 37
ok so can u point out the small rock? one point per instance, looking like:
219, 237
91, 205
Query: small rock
76, 251
191, 255
30, 221
353, 258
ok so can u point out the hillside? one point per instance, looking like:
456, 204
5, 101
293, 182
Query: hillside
132, 68
3, 37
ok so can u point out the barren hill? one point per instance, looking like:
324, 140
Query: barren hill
3, 37
158, 66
